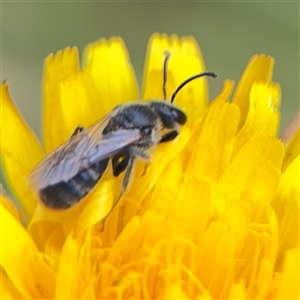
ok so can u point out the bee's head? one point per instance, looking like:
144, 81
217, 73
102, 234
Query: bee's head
169, 114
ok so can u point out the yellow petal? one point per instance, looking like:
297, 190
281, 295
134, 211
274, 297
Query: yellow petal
10, 207
98, 205
260, 70
220, 111
109, 64
264, 183
123, 240
263, 114
263, 150
237, 218
185, 61
79, 103
286, 206
215, 260
261, 281
196, 207
44, 222
8, 290
256, 259
20, 152
57, 68
173, 291
237, 291
219, 126
67, 272
287, 286
204, 162
33, 276
53, 245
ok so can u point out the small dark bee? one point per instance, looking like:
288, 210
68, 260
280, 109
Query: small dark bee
71, 171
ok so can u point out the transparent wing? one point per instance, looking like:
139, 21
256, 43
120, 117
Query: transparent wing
79, 152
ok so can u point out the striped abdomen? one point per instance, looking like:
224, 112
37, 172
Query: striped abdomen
65, 194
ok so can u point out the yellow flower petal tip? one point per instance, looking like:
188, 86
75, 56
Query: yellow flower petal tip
58, 67
214, 215
109, 64
258, 70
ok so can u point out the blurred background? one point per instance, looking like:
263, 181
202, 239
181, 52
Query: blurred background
229, 33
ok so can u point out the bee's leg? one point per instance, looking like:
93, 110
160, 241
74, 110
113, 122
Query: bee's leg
125, 182
77, 130
128, 161
120, 163
171, 135
135, 151
128, 173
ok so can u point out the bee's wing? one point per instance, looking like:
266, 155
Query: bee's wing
82, 150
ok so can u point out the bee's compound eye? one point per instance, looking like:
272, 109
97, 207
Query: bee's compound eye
179, 116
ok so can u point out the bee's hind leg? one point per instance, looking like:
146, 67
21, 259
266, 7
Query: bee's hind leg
128, 173
125, 162
129, 166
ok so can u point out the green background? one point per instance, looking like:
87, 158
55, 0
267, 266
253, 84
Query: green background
229, 33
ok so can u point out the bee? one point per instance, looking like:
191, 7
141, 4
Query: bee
71, 171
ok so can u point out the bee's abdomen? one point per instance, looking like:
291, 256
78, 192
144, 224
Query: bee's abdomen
65, 194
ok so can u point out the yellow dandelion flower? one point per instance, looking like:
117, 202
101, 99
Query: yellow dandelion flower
215, 215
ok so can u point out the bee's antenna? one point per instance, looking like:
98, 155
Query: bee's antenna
165, 70
206, 73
